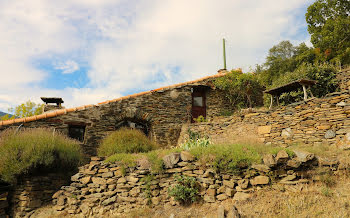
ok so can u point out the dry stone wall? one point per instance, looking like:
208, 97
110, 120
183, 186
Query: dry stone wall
102, 187
4, 203
318, 120
34, 191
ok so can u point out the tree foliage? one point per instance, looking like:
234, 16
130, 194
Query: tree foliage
329, 26
26, 109
242, 89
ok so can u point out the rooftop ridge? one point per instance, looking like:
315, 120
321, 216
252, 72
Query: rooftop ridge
58, 112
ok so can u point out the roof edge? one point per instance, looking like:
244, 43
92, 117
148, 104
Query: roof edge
58, 112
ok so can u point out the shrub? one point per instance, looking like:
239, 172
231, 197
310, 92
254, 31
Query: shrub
125, 140
186, 190
36, 149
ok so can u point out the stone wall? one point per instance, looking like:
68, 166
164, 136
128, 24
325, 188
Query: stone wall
164, 111
318, 120
4, 203
343, 78
101, 187
34, 191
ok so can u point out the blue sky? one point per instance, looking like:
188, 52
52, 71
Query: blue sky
88, 51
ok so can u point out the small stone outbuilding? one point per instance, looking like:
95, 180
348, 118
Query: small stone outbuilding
159, 113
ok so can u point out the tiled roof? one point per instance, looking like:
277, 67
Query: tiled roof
64, 111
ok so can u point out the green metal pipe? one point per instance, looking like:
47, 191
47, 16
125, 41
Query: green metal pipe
224, 50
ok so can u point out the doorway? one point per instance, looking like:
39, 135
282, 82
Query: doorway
198, 103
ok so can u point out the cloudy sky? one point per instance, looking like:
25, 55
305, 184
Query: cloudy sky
88, 51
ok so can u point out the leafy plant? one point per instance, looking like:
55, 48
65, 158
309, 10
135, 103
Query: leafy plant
186, 190
28, 150
195, 140
200, 119
242, 89
147, 180
125, 140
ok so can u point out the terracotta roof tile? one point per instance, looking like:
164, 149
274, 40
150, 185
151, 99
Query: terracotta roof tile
64, 111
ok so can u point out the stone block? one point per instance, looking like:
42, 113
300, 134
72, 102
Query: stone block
241, 196
260, 180
209, 198
171, 160
264, 129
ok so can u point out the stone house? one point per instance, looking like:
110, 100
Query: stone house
159, 113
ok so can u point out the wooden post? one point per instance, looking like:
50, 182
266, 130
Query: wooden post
305, 93
271, 102
311, 92
277, 100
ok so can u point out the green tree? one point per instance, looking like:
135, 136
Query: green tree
242, 89
329, 26
26, 109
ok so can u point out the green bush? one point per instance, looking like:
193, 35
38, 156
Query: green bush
186, 190
36, 149
125, 140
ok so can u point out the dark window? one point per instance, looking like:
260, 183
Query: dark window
77, 132
134, 125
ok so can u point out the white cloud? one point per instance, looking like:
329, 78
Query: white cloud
131, 44
67, 67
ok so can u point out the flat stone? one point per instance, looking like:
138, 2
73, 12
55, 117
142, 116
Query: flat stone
289, 178
329, 134
229, 183
109, 201
209, 198
287, 133
260, 180
107, 175
230, 192
261, 167
211, 192
264, 129
243, 183
85, 180
98, 181
76, 177
241, 196
304, 156
269, 160
282, 156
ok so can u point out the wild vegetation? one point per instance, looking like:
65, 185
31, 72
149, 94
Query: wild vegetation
329, 26
125, 140
228, 158
25, 151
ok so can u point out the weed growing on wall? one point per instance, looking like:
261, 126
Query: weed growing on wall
186, 190
31, 149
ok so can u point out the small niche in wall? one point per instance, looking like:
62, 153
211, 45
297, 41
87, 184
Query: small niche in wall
76, 132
